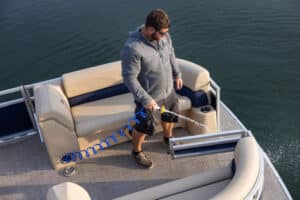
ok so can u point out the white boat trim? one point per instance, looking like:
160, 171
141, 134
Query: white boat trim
234, 116
277, 176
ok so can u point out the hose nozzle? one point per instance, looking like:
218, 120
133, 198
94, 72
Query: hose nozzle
162, 109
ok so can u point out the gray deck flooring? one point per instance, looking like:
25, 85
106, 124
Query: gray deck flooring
26, 173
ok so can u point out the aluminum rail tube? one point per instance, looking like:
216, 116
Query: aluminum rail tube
11, 102
217, 89
201, 151
16, 137
9, 91
205, 143
18, 88
204, 136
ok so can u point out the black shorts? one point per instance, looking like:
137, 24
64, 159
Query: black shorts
146, 123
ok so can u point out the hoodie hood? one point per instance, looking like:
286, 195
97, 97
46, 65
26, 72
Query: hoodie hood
137, 35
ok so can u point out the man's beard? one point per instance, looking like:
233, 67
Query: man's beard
154, 37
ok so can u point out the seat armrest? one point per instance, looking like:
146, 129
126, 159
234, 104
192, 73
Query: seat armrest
55, 122
52, 104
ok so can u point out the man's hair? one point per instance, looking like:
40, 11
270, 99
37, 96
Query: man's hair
158, 19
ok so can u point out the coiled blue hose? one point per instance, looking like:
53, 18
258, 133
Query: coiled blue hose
72, 156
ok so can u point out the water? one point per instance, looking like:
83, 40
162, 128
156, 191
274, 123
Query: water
251, 48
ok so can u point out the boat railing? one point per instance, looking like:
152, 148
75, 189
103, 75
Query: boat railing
29, 102
19, 95
18, 89
12, 99
216, 91
11, 91
204, 144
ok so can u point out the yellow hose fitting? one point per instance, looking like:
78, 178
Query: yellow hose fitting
162, 109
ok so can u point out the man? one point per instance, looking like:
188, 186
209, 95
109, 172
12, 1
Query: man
149, 70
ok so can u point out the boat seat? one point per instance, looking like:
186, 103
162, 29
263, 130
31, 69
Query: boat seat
101, 103
94, 100
109, 114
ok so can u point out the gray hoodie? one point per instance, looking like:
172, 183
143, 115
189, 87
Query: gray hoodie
149, 67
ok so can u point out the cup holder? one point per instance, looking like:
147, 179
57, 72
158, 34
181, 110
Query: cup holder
205, 109
204, 115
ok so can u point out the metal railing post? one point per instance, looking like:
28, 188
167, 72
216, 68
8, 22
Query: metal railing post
217, 94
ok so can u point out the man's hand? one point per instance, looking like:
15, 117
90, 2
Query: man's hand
151, 105
178, 83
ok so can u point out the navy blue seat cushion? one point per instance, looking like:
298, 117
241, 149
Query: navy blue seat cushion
99, 94
198, 98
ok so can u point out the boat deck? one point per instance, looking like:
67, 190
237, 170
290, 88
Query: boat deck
26, 173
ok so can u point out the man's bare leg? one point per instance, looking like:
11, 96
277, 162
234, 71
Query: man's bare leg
168, 128
139, 156
137, 140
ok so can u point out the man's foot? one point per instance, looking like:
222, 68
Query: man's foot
167, 140
141, 159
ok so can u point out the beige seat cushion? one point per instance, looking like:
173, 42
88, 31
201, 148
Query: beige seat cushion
110, 114
92, 79
67, 191
107, 114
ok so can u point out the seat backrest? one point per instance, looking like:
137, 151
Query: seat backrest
196, 82
106, 80
92, 79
